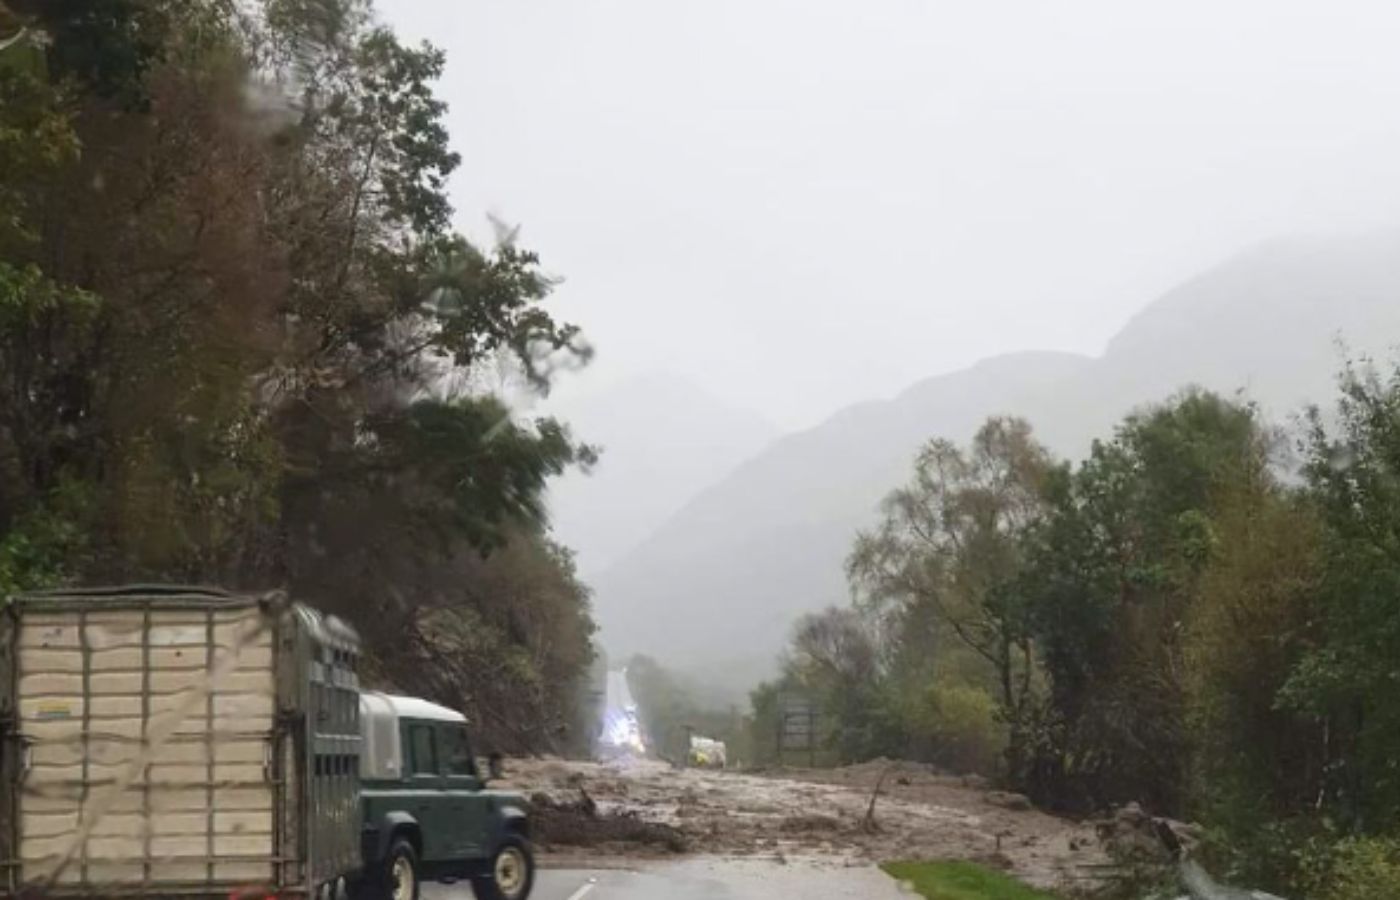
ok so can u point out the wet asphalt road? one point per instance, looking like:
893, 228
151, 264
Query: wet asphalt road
704, 879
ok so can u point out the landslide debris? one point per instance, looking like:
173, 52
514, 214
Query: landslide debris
628, 808
577, 823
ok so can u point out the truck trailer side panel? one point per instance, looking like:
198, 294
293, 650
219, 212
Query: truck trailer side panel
157, 743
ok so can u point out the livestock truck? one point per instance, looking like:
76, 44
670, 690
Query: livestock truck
189, 742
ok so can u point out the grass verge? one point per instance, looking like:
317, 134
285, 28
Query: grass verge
957, 880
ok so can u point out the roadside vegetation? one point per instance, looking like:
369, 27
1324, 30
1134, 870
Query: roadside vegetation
241, 343
1200, 617
959, 880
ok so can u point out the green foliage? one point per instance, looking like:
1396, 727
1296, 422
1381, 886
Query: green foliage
834, 660
1116, 568
464, 468
1348, 679
1220, 643
36, 140
1171, 622
936, 661
27, 298
950, 548
1254, 762
964, 721
1290, 856
761, 727
483, 304
502, 638
959, 880
227, 323
43, 547
109, 46
1363, 869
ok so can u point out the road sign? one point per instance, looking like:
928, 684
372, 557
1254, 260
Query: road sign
797, 726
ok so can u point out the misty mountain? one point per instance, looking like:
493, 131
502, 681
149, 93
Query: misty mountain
719, 585
663, 440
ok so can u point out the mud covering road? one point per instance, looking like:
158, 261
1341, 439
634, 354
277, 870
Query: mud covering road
799, 816
702, 878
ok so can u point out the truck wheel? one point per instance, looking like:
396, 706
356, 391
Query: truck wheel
512, 873
398, 880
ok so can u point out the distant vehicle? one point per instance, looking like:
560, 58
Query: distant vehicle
708, 753
173, 741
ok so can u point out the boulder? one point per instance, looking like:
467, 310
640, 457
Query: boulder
1008, 800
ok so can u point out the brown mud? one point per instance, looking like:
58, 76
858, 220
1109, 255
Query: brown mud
643, 808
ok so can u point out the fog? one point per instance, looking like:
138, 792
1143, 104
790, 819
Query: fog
797, 205
791, 207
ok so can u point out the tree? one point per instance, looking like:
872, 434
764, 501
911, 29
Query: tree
1257, 767
505, 638
1113, 570
227, 317
834, 658
1347, 678
209, 314
108, 47
951, 543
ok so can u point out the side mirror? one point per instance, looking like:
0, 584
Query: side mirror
495, 767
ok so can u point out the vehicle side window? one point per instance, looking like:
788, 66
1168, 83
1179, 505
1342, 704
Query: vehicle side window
422, 750
457, 751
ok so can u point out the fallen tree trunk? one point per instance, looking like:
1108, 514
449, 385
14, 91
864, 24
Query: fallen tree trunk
868, 824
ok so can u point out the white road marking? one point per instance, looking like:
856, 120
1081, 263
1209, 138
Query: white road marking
583, 891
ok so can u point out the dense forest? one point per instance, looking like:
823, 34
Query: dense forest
241, 343
1201, 617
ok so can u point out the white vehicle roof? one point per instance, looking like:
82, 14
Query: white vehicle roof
403, 707
381, 753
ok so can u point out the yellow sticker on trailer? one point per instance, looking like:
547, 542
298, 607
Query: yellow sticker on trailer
55, 709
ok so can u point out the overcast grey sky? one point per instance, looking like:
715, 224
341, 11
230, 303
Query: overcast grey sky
797, 204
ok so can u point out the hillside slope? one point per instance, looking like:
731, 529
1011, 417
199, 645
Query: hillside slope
663, 440
719, 584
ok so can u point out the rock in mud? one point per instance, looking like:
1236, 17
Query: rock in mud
1133, 834
809, 824
1008, 800
578, 823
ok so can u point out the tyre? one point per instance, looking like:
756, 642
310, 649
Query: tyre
512, 873
395, 879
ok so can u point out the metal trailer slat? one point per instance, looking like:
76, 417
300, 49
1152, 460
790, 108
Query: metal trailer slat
13, 751
146, 810
209, 747
85, 649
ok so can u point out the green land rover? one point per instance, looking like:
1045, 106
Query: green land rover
187, 742
426, 810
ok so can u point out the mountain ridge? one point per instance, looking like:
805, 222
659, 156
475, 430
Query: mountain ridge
663, 439
735, 564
